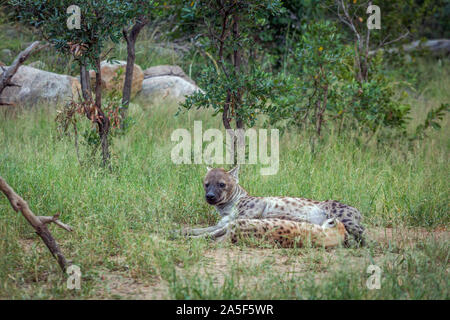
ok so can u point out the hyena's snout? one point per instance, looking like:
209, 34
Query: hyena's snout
210, 197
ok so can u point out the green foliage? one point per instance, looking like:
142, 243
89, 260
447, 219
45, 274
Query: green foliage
325, 89
100, 21
258, 86
423, 18
434, 116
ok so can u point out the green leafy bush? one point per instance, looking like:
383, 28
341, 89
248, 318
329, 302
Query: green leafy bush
325, 89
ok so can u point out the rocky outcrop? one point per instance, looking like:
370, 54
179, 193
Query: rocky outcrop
36, 86
113, 77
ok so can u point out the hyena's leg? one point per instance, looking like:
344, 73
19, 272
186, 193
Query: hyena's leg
215, 234
200, 231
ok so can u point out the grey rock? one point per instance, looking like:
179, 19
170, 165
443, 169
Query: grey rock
37, 86
166, 70
167, 87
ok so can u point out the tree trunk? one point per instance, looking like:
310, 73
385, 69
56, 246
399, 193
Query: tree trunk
101, 118
130, 39
237, 69
322, 110
85, 83
98, 84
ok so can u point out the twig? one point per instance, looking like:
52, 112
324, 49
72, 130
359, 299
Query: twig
395, 40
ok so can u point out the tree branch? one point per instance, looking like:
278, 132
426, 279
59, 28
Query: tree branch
6, 76
37, 222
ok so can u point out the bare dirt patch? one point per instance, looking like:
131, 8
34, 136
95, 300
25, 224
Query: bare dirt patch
256, 264
118, 285
407, 237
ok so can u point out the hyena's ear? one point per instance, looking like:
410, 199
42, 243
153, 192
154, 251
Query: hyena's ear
209, 169
235, 173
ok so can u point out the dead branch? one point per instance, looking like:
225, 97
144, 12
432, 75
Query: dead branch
5, 77
435, 46
394, 40
39, 223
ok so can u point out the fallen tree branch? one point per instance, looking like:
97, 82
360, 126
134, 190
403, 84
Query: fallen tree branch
39, 223
435, 46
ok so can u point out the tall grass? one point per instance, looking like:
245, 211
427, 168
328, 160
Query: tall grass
122, 218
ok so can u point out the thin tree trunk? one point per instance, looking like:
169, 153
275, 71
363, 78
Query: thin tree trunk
237, 101
101, 118
85, 83
322, 110
130, 39
98, 84
237, 69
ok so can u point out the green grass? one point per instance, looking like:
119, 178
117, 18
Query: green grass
122, 218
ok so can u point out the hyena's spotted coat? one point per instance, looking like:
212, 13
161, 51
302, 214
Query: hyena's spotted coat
233, 203
286, 233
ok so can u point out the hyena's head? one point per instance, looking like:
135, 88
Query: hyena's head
334, 223
220, 185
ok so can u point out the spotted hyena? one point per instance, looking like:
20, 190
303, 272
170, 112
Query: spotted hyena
286, 233
233, 203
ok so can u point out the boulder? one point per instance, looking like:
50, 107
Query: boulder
111, 79
166, 70
40, 86
171, 87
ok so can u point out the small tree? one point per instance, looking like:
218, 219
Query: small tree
139, 14
322, 57
100, 20
234, 84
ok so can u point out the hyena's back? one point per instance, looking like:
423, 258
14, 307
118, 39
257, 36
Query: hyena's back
285, 208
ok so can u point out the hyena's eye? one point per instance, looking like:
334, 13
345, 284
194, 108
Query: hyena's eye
222, 185
207, 185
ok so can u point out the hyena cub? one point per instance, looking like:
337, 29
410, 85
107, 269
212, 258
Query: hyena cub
286, 233
222, 190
